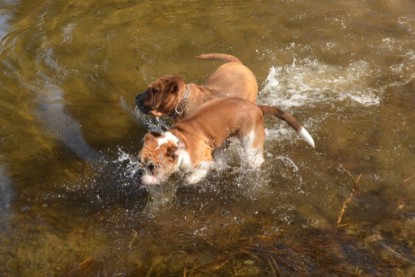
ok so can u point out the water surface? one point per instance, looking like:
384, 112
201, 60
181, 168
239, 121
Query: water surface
69, 74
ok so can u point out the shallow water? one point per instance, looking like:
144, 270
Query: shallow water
68, 132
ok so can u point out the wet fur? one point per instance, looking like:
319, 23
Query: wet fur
188, 146
231, 79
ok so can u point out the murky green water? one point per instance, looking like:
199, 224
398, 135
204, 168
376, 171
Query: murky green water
69, 74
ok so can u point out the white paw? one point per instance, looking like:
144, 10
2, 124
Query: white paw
252, 158
199, 173
195, 178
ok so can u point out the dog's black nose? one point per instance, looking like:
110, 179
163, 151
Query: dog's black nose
138, 173
139, 100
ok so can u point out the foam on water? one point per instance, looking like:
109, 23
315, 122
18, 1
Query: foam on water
288, 161
6, 190
311, 83
68, 32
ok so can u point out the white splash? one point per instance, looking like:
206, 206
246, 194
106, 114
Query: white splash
279, 131
151, 123
130, 163
288, 161
311, 83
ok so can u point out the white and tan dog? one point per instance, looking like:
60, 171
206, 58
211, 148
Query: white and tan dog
171, 96
188, 146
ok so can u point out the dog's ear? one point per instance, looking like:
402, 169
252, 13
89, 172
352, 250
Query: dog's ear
179, 149
174, 85
171, 150
151, 135
174, 151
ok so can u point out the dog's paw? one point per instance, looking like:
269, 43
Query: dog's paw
195, 178
200, 173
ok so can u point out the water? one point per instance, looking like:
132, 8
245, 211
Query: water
69, 133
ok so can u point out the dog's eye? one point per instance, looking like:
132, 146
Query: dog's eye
154, 90
151, 166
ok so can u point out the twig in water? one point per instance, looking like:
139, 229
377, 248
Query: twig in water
396, 253
409, 179
352, 194
274, 266
133, 239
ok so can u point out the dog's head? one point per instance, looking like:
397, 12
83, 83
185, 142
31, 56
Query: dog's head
159, 158
162, 96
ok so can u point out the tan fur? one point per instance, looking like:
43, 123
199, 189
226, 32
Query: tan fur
232, 79
216, 121
158, 158
193, 140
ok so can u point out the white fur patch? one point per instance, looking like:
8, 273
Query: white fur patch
183, 161
254, 157
248, 140
306, 136
199, 172
149, 180
167, 137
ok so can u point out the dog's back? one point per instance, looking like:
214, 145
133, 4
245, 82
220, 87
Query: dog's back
232, 78
233, 116
221, 118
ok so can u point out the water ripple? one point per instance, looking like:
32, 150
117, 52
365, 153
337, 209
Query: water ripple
6, 190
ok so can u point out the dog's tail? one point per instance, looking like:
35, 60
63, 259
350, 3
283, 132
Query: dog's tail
219, 57
302, 132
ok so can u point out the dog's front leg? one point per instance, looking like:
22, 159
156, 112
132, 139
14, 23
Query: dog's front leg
199, 172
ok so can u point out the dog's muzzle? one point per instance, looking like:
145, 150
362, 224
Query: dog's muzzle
140, 102
138, 174
144, 177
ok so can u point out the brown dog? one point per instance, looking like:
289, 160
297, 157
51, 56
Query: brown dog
171, 96
189, 144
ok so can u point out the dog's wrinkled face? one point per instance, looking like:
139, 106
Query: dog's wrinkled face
159, 158
161, 97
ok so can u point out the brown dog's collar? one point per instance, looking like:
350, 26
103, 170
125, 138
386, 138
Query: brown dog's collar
182, 104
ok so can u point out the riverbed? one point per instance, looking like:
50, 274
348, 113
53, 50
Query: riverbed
69, 133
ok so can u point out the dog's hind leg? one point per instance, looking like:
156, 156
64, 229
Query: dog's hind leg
253, 157
253, 144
